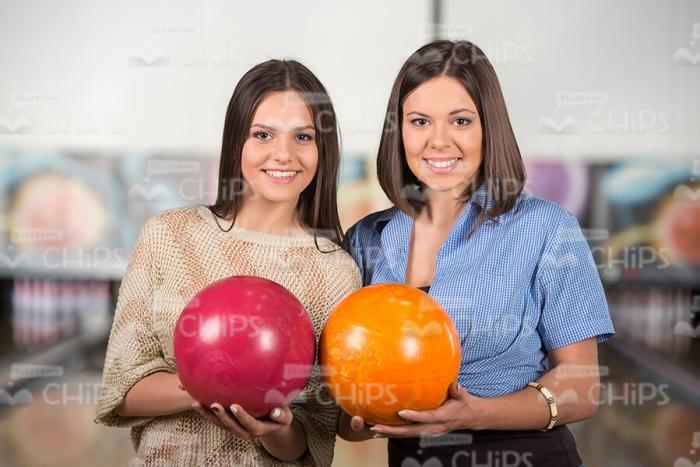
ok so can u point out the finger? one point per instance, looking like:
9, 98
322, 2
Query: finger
457, 391
282, 415
250, 423
420, 416
230, 423
408, 431
358, 425
208, 414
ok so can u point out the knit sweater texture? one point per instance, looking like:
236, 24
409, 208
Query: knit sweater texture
178, 253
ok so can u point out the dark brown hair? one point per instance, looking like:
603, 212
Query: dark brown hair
501, 168
317, 207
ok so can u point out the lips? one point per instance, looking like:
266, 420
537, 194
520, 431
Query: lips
441, 164
280, 176
280, 173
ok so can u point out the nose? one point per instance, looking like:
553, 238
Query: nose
439, 139
282, 153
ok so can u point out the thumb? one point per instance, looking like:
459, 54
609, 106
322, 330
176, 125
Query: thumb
456, 390
357, 423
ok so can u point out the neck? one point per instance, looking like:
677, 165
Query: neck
444, 208
264, 216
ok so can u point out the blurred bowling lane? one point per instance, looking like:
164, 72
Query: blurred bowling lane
52, 426
645, 419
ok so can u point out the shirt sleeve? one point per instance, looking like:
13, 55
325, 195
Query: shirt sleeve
351, 245
133, 349
573, 304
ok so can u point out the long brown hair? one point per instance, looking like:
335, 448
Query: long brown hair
501, 169
317, 207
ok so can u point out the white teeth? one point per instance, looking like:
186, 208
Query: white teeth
280, 174
441, 164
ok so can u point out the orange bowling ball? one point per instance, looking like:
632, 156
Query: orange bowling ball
386, 348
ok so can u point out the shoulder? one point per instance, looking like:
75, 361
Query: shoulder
540, 229
549, 219
533, 207
561, 243
178, 216
370, 226
179, 220
163, 228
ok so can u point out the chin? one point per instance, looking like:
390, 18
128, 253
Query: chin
277, 197
280, 199
456, 185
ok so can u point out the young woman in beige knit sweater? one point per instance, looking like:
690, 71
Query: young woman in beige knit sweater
275, 217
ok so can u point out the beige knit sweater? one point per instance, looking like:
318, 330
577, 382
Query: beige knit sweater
178, 253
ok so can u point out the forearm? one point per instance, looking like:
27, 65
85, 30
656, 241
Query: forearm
286, 444
156, 394
527, 409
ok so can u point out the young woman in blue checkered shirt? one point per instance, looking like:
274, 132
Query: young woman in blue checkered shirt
513, 271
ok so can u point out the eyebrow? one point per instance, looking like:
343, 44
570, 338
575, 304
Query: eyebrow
451, 113
270, 128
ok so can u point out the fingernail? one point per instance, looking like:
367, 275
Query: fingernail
374, 428
276, 413
403, 412
234, 409
378, 436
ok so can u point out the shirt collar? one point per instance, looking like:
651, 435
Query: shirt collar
478, 197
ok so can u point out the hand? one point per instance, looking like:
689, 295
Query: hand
353, 428
242, 424
359, 426
459, 411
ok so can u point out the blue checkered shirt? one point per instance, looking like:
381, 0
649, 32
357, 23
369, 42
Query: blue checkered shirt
522, 285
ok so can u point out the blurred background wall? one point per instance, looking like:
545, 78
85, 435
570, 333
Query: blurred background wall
113, 111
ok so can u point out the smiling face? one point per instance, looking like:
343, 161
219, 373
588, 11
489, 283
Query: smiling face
280, 156
442, 135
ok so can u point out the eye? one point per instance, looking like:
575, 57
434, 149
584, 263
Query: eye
462, 121
305, 137
419, 121
262, 135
